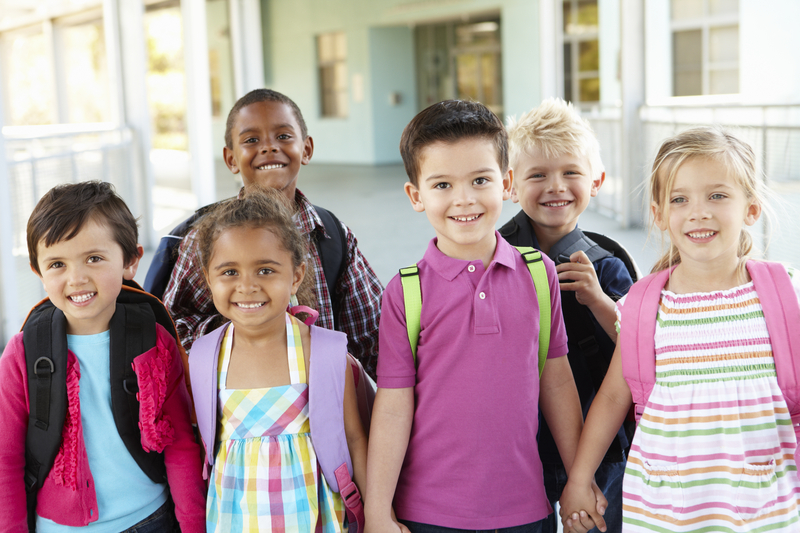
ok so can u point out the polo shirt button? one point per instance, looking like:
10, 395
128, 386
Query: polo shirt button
471, 268
482, 296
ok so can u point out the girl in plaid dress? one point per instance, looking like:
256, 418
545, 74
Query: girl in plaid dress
265, 475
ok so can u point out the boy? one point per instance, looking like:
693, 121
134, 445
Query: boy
453, 434
556, 159
266, 141
117, 464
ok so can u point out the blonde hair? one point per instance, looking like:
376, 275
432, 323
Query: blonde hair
715, 144
554, 128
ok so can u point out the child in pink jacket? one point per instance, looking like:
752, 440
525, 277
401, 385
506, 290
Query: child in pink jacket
122, 463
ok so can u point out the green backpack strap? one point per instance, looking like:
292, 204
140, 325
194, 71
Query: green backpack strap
533, 258
412, 299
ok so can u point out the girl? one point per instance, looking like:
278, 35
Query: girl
265, 471
715, 447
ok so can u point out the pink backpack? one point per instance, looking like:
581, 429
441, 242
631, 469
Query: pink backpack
781, 312
329, 362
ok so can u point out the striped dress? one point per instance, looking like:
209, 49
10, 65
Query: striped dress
714, 451
266, 476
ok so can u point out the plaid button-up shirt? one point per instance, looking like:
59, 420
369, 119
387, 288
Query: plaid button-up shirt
358, 291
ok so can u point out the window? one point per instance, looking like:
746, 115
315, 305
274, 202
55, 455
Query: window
705, 47
581, 51
332, 59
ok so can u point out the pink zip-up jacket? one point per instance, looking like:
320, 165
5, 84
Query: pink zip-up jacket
68, 495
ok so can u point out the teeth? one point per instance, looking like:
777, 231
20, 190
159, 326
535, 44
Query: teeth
82, 298
271, 167
702, 235
250, 306
465, 219
556, 204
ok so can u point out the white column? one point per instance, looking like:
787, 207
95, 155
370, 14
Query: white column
632, 85
549, 54
247, 45
123, 23
198, 108
8, 267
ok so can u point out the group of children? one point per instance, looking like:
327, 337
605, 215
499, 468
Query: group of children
478, 420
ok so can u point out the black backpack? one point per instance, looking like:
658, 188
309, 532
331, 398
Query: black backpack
332, 254
132, 332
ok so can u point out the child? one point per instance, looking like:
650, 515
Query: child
556, 159
453, 435
82, 242
265, 472
715, 447
266, 141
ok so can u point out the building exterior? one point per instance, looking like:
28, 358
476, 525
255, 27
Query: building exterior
137, 91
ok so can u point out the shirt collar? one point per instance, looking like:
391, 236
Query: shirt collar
449, 267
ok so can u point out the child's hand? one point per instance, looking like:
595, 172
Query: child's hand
580, 276
575, 501
389, 525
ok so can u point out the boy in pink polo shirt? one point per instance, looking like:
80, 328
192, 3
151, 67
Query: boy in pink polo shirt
453, 435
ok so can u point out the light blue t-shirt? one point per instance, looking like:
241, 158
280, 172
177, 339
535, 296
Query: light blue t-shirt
125, 495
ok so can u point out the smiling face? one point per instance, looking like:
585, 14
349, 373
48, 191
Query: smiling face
83, 277
252, 278
707, 210
553, 191
268, 147
462, 189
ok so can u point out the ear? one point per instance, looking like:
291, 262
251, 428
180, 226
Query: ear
308, 150
514, 196
508, 184
299, 274
130, 270
230, 160
596, 184
413, 195
657, 218
33, 269
752, 214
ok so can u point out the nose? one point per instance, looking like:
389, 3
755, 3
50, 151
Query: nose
700, 211
268, 145
464, 196
77, 276
247, 284
556, 183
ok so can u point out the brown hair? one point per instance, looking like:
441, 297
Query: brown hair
63, 211
259, 208
708, 143
261, 95
449, 122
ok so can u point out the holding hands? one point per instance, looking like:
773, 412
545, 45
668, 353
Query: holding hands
575, 500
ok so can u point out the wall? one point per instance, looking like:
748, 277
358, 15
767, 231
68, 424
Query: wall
381, 52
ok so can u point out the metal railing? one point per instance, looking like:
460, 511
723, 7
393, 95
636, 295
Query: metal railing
40, 157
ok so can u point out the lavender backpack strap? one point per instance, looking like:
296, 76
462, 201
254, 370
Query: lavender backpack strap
203, 362
327, 367
782, 315
637, 337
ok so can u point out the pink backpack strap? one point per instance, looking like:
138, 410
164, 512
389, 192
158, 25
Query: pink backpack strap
782, 315
637, 337
327, 367
203, 362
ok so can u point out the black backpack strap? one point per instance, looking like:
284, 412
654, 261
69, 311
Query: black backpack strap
133, 332
45, 342
617, 250
166, 255
332, 255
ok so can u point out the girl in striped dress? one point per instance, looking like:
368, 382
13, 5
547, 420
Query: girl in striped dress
265, 475
715, 447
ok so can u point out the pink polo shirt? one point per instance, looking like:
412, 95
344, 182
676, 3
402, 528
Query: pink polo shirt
472, 459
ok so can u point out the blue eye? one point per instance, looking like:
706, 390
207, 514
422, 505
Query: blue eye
678, 200
718, 196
